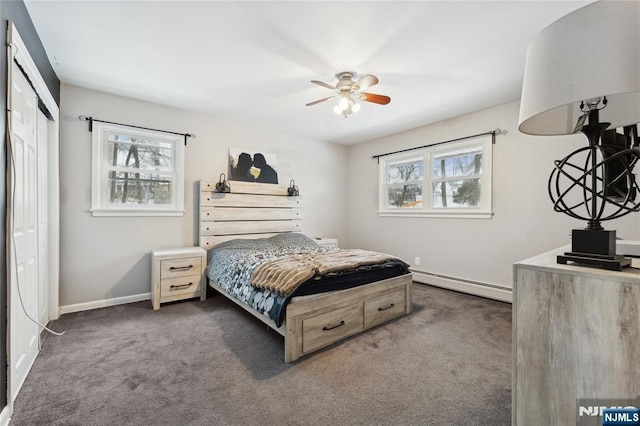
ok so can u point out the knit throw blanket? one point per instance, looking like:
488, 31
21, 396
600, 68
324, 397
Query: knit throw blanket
284, 275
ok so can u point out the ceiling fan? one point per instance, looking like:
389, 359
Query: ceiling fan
348, 91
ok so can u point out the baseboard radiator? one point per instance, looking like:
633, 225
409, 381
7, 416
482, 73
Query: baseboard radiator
477, 288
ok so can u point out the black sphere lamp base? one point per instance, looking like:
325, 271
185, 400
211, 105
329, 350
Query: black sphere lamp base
594, 248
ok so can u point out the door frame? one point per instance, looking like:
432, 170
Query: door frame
21, 55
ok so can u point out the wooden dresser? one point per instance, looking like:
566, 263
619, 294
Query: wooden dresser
576, 336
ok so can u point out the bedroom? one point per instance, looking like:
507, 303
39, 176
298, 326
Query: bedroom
339, 182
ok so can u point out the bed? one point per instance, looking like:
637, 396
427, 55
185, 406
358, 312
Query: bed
251, 236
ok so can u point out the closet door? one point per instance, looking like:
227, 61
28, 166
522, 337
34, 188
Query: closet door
43, 219
24, 264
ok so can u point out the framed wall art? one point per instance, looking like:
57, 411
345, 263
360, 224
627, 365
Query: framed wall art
252, 166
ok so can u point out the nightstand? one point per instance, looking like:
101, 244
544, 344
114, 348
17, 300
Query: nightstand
178, 273
327, 242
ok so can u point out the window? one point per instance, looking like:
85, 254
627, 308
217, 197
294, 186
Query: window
449, 180
136, 172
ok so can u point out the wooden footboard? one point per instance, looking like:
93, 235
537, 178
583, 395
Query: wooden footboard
316, 321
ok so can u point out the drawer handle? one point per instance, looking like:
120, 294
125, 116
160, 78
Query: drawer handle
179, 287
180, 268
325, 328
386, 307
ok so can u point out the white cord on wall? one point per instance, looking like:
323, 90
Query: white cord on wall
10, 221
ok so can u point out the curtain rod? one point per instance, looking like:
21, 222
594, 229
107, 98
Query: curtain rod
91, 120
493, 133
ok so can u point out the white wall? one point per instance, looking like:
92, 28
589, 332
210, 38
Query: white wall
108, 257
524, 223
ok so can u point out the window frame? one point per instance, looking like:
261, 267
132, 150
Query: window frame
484, 211
100, 205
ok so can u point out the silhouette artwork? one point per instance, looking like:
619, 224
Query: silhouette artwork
267, 173
248, 166
242, 169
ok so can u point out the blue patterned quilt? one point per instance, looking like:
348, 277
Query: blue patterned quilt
231, 264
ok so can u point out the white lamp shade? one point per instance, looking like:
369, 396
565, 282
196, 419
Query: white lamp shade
590, 53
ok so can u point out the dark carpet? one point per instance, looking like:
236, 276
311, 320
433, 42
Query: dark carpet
211, 363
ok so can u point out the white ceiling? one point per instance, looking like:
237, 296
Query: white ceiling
253, 61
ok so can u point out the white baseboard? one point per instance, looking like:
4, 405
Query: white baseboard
104, 303
5, 416
465, 286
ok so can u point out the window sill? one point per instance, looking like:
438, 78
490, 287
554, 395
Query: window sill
131, 212
448, 215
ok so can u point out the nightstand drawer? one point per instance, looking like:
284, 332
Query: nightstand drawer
180, 267
180, 286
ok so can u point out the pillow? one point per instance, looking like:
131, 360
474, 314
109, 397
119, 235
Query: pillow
245, 243
293, 239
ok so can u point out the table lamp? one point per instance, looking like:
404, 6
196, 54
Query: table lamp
582, 74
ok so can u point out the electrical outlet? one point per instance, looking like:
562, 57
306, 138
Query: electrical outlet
416, 261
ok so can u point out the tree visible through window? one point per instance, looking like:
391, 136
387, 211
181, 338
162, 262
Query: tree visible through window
139, 170
136, 171
404, 183
456, 177
446, 179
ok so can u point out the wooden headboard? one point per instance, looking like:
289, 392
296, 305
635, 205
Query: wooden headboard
251, 210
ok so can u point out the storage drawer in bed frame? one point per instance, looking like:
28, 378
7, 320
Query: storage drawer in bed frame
382, 308
324, 329
343, 313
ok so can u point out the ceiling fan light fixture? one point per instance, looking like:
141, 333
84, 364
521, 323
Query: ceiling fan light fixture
344, 102
349, 92
346, 106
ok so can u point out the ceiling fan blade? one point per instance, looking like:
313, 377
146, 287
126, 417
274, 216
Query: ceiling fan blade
372, 97
323, 84
365, 82
320, 100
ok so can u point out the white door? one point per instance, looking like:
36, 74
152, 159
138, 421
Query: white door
43, 220
23, 296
